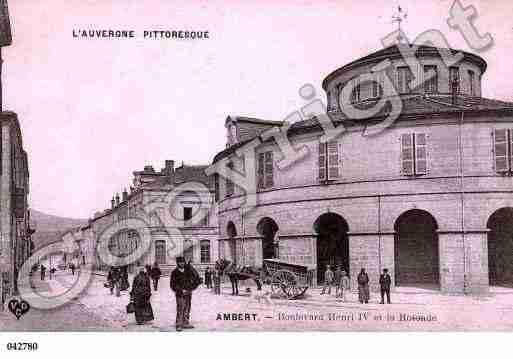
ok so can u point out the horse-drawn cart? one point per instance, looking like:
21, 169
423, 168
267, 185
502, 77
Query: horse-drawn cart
287, 280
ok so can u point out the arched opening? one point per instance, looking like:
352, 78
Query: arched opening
332, 243
416, 250
232, 246
268, 228
500, 247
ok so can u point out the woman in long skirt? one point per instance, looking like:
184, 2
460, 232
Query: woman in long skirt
140, 296
363, 287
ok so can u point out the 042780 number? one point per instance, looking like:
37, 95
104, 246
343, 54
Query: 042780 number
22, 346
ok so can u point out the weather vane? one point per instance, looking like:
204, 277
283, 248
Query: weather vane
399, 17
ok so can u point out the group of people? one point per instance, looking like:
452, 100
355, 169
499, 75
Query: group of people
117, 280
337, 279
340, 281
213, 277
184, 279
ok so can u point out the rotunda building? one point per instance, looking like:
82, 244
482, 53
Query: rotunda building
429, 196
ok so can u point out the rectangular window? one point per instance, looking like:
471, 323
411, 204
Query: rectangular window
413, 154
454, 78
230, 187
216, 187
321, 163
329, 161
377, 85
355, 90
160, 252
502, 150
188, 250
430, 79
404, 77
205, 251
265, 171
471, 78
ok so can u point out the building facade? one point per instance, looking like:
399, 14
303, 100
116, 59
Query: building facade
172, 235
429, 197
16, 243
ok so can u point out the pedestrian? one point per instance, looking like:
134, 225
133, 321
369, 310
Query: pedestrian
72, 267
155, 274
328, 280
363, 287
140, 296
124, 284
184, 280
208, 278
336, 280
113, 277
384, 283
43, 272
217, 281
344, 285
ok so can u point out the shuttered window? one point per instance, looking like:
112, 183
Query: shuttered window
355, 90
471, 83
407, 167
216, 187
269, 169
430, 84
414, 154
230, 187
502, 150
404, 77
265, 170
454, 78
260, 171
329, 161
322, 161
333, 160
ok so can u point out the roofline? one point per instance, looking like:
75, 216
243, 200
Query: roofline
253, 120
479, 61
300, 130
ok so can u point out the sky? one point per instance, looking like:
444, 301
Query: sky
94, 110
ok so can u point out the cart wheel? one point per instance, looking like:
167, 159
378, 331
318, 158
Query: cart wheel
284, 284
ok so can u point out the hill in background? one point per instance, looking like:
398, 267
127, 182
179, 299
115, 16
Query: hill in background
49, 228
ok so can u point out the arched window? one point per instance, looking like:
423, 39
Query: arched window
205, 251
188, 252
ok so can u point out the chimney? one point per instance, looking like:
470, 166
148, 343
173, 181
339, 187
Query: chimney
112, 203
125, 195
169, 168
117, 199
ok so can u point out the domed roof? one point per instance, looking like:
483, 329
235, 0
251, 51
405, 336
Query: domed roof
394, 52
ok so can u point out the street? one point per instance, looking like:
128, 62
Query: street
411, 309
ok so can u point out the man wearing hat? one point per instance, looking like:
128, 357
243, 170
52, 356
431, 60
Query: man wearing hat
384, 282
184, 280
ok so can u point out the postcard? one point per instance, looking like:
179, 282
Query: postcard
230, 166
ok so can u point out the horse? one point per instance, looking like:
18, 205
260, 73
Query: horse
236, 273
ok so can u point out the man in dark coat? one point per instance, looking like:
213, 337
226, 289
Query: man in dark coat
184, 280
384, 282
140, 296
155, 274
43, 272
208, 278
